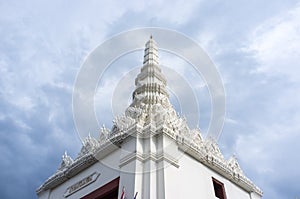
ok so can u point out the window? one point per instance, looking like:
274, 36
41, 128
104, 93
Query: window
219, 189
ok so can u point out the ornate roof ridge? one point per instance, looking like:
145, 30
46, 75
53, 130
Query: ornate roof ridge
205, 151
62, 175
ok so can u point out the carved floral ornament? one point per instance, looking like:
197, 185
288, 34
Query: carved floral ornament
179, 127
66, 161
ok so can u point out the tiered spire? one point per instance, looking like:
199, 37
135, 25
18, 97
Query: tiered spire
151, 52
150, 83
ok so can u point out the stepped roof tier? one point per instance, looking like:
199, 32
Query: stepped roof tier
151, 113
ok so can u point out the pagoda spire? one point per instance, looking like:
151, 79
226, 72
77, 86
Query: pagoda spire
151, 52
150, 82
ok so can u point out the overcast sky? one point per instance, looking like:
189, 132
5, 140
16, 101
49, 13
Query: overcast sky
254, 44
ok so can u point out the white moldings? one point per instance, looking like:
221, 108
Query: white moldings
156, 157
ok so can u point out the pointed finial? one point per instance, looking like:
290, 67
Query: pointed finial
234, 155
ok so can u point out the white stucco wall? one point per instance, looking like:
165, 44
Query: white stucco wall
195, 179
188, 178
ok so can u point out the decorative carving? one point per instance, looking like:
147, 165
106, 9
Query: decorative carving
66, 161
212, 149
123, 122
196, 137
90, 145
103, 134
133, 112
233, 165
114, 131
183, 128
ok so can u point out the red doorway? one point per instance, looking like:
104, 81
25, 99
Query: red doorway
107, 191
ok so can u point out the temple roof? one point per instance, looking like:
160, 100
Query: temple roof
151, 108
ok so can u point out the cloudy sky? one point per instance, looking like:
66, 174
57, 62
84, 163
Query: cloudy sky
254, 44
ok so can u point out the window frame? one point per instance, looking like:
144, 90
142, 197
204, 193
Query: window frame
219, 183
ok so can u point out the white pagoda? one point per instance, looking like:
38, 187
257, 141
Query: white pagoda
150, 153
